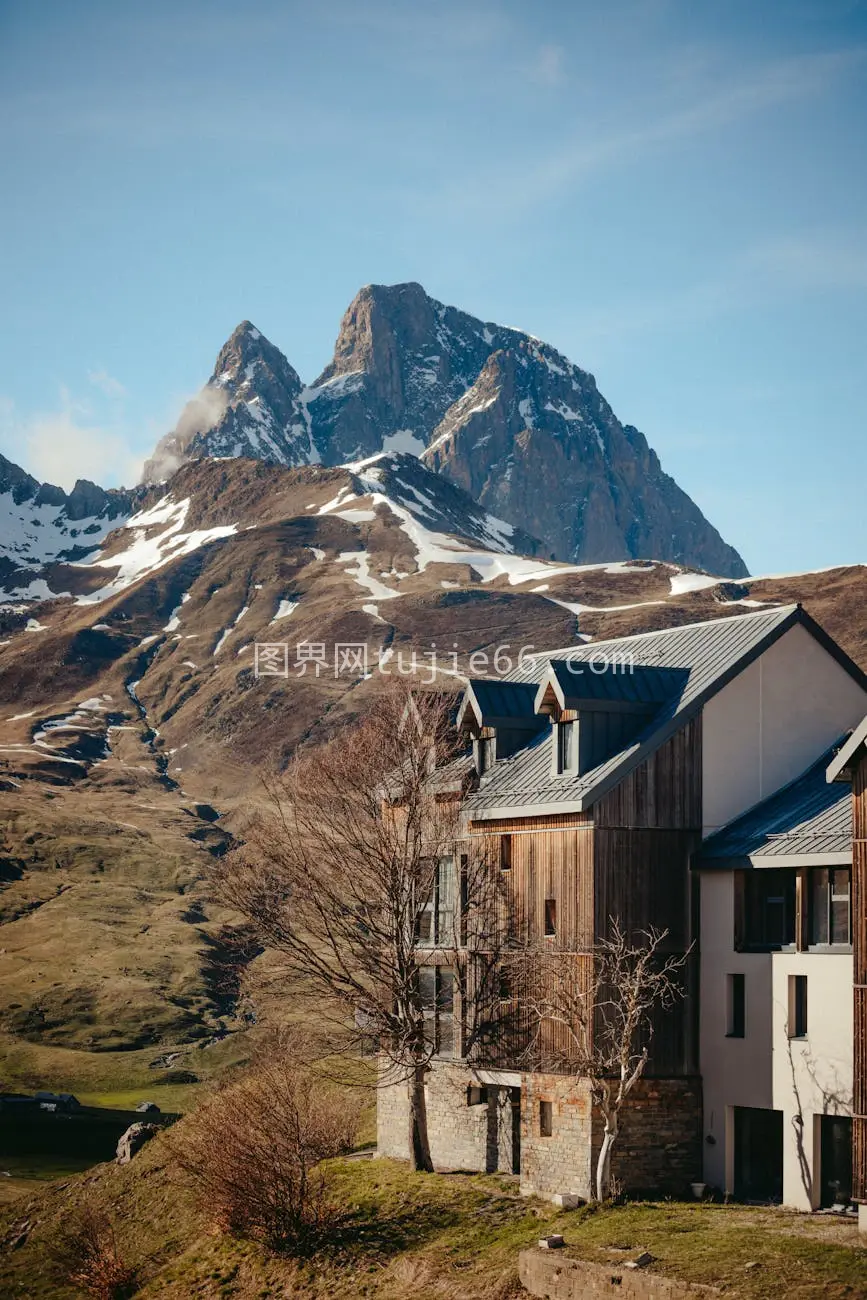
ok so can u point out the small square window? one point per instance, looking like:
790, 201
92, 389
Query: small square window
736, 1006
546, 1119
797, 1025
550, 916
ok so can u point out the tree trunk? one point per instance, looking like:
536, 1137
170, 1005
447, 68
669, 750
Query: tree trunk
419, 1145
603, 1164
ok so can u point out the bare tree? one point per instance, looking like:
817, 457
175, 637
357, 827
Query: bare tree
592, 1015
355, 874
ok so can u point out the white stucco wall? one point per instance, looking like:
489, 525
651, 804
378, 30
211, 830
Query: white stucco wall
813, 1075
772, 722
804, 1078
735, 1071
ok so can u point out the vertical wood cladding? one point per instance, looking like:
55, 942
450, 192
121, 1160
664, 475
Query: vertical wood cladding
859, 952
664, 791
627, 858
646, 830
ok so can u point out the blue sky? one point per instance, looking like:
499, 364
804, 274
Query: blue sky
674, 194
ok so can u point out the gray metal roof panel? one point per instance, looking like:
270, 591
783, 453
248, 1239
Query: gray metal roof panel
808, 817
710, 653
498, 698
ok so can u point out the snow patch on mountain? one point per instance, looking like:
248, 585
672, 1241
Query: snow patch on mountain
147, 551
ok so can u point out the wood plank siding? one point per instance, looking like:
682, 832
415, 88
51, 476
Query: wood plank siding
664, 792
627, 858
859, 951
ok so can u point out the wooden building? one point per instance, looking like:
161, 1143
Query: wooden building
596, 775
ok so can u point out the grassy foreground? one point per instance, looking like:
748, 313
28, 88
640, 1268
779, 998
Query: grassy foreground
455, 1236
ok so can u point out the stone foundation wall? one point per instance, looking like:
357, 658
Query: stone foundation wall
659, 1147
559, 1165
458, 1132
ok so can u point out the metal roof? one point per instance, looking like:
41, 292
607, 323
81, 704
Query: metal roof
807, 823
500, 702
840, 768
708, 654
614, 683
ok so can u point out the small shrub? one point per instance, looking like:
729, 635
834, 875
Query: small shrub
85, 1254
253, 1150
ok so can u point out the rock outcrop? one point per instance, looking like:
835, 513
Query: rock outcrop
504, 416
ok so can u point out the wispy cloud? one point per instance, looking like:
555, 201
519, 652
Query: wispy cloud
67, 443
106, 383
814, 261
765, 274
654, 124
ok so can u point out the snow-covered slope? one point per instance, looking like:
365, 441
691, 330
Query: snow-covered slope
41, 525
506, 417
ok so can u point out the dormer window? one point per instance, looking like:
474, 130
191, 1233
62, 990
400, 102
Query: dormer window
567, 745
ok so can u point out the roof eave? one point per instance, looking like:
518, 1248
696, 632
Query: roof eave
841, 767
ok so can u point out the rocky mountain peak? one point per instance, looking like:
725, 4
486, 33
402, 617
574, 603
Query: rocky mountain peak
505, 416
252, 405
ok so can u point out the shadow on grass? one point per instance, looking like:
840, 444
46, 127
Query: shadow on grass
363, 1233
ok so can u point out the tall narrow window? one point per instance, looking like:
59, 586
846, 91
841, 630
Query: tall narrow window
546, 1118
565, 747
505, 853
437, 990
830, 906
446, 885
550, 916
797, 1006
736, 1006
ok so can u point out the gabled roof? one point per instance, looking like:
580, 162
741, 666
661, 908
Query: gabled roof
613, 686
806, 824
840, 767
709, 655
496, 702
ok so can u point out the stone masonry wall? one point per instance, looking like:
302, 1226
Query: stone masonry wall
558, 1165
458, 1132
659, 1147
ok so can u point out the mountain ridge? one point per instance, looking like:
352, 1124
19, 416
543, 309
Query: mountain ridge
504, 415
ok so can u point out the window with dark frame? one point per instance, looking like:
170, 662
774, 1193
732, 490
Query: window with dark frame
505, 853
769, 908
830, 917
437, 989
565, 746
550, 917
797, 1025
435, 923
546, 1119
735, 1006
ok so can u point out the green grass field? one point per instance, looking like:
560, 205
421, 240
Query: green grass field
440, 1237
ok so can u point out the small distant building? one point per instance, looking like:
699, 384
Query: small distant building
54, 1101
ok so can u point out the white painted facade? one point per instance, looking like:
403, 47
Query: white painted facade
760, 732
771, 722
803, 1078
